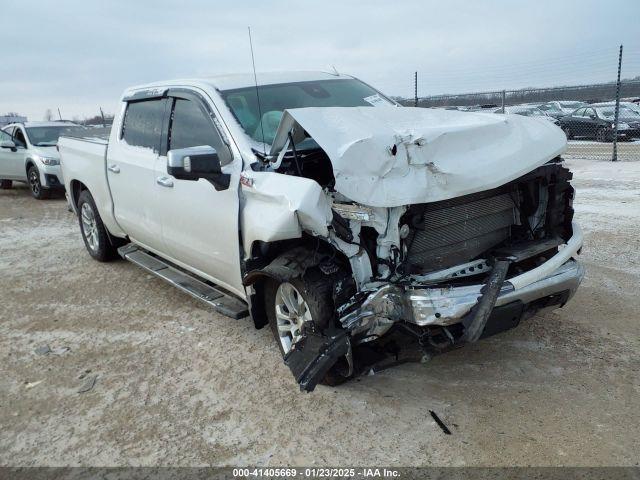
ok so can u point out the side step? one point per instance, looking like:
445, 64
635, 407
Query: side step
222, 302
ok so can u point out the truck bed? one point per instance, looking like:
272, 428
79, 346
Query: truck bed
83, 162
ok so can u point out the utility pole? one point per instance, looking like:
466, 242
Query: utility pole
59, 114
615, 121
504, 96
415, 89
104, 124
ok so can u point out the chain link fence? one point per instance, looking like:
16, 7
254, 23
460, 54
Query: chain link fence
601, 120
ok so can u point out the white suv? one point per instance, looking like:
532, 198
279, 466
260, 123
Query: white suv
28, 154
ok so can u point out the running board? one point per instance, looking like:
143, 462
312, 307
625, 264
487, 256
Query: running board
222, 302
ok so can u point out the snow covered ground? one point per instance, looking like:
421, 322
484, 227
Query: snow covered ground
177, 384
586, 149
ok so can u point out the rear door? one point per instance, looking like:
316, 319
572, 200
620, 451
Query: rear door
199, 223
12, 159
131, 162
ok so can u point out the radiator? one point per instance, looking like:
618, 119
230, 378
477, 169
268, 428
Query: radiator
456, 231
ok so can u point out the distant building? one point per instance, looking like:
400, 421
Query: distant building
7, 119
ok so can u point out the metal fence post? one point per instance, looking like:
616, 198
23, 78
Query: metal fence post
504, 94
615, 121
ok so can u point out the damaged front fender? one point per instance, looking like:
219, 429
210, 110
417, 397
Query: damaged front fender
280, 207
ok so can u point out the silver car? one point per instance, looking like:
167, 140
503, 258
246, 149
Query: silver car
28, 154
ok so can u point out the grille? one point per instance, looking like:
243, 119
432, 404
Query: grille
453, 232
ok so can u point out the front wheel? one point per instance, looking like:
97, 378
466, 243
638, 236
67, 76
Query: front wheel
35, 186
601, 134
301, 303
94, 233
567, 132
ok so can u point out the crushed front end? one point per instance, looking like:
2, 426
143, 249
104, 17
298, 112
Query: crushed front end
434, 276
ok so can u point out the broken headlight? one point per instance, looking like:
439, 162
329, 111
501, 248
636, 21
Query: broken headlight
353, 211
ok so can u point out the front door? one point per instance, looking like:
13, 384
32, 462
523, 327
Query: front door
11, 159
199, 223
578, 122
131, 162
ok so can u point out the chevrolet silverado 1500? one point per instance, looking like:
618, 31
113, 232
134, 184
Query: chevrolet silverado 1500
363, 233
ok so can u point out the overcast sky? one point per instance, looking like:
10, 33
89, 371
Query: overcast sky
79, 55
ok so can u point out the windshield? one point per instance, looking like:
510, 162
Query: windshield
48, 136
528, 111
610, 112
274, 99
572, 105
552, 107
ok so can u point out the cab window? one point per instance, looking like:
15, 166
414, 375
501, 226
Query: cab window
191, 126
142, 126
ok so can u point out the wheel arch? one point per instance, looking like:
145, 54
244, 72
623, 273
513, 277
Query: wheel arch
282, 261
76, 187
29, 162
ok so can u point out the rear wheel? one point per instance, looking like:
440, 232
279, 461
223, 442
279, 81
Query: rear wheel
5, 184
94, 233
33, 176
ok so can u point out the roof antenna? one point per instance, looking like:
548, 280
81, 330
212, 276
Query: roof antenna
255, 79
335, 71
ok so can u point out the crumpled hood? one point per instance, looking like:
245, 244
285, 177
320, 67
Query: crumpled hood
393, 156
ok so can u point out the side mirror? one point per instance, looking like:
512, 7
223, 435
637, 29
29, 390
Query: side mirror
8, 144
194, 163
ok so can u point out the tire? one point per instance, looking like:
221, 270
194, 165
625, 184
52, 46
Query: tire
5, 184
567, 132
37, 190
94, 234
315, 290
601, 135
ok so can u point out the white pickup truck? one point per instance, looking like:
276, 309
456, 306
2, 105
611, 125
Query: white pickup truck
364, 233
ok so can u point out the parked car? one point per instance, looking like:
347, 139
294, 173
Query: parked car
28, 154
527, 111
560, 108
363, 233
598, 123
634, 107
484, 106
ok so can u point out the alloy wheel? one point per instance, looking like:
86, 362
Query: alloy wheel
292, 312
34, 182
89, 226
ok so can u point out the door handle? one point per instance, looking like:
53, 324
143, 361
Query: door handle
164, 182
113, 168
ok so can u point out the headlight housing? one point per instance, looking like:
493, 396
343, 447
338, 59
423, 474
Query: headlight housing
353, 211
48, 160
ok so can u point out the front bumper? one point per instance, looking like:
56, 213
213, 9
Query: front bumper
448, 306
443, 306
631, 133
51, 176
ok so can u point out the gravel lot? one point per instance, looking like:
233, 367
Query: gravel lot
180, 385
